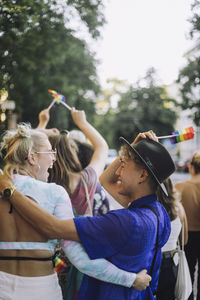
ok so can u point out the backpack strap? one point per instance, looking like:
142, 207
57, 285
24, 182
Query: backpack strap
157, 237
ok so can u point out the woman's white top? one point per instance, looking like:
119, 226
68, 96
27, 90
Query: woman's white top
173, 238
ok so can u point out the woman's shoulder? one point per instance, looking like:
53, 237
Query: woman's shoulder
88, 170
176, 222
181, 211
23, 181
183, 184
89, 174
37, 189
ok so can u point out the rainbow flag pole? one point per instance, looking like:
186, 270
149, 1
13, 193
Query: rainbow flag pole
51, 104
66, 105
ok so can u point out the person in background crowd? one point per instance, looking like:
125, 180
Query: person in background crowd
169, 265
131, 237
84, 151
190, 198
26, 268
100, 201
77, 135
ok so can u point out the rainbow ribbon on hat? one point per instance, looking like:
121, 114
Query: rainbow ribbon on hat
58, 98
180, 136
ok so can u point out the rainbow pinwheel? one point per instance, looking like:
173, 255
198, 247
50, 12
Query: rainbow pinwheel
58, 98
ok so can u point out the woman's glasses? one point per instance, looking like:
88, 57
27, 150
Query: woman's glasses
53, 151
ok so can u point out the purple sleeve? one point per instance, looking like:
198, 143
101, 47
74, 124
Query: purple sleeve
106, 235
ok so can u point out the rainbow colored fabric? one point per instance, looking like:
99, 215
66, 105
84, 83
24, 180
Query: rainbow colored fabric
57, 96
59, 265
182, 135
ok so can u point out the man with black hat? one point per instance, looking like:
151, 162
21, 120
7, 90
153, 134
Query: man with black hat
131, 238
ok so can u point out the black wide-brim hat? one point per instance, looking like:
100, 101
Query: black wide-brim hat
155, 157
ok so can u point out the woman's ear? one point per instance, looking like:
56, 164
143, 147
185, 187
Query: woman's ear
31, 159
144, 175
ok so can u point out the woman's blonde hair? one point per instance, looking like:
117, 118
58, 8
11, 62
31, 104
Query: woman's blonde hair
17, 145
169, 202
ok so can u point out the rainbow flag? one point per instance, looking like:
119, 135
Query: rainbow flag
59, 265
182, 135
179, 135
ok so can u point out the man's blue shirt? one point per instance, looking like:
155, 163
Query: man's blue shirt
127, 238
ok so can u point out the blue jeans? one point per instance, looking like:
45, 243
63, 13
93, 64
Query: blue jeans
167, 278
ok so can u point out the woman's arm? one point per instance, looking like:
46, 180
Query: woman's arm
108, 180
102, 269
43, 117
98, 268
100, 146
44, 222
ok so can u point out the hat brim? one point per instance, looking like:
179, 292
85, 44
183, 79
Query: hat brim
162, 186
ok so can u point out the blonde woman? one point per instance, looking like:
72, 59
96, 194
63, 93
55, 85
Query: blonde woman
26, 269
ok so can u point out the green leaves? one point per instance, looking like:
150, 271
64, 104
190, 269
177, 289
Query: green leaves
189, 76
38, 52
138, 109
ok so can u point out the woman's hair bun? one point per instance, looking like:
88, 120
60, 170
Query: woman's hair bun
196, 158
23, 130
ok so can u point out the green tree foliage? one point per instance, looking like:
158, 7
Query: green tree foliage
107, 107
189, 76
140, 109
39, 51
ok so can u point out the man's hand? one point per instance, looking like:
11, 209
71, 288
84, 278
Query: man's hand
142, 280
150, 134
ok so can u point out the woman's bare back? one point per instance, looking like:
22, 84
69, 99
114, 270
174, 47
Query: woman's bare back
15, 229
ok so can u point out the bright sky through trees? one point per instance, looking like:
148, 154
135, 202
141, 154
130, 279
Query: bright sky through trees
140, 34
